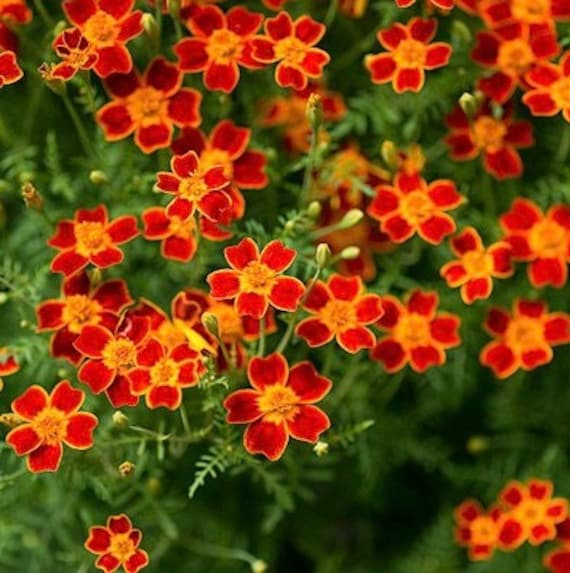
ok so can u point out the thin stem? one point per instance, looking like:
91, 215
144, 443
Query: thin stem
212, 550
261, 348
184, 417
79, 127
308, 175
44, 14
564, 145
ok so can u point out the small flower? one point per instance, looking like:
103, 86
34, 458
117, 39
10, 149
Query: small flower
523, 339
411, 205
117, 544
527, 12
10, 71
279, 405
417, 334
291, 44
220, 44
550, 88
8, 363
196, 189
80, 304
90, 238
49, 422
161, 375
107, 26
75, 51
149, 106
341, 310
495, 139
15, 12
476, 265
410, 53
255, 280
110, 356
477, 529
541, 240
509, 52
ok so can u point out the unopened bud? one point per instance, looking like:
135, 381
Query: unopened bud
350, 253
258, 566
351, 218
62, 373
210, 323
98, 177
321, 448
461, 32
150, 28
59, 28
323, 255
477, 445
56, 85
24, 323
289, 226
120, 420
126, 469
10, 420
314, 111
389, 153
173, 7
32, 198
3, 297
314, 210
153, 486
1, 384
469, 104
95, 277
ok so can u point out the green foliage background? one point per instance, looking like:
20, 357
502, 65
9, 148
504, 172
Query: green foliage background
382, 499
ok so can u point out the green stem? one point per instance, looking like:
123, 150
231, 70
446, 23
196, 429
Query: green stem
79, 127
44, 14
564, 145
212, 550
185, 422
261, 348
311, 160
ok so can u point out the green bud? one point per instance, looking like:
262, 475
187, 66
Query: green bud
314, 210
350, 253
258, 566
120, 420
98, 177
351, 218
461, 32
150, 28
469, 103
314, 111
210, 323
323, 255
477, 445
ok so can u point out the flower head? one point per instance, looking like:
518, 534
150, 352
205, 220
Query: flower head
292, 45
8, 363
410, 53
496, 13
10, 71
117, 545
50, 420
150, 106
476, 266
75, 51
542, 240
255, 279
90, 238
523, 339
441, 4
280, 405
477, 529
341, 310
416, 333
107, 25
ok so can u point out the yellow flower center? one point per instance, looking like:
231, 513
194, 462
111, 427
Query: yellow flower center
50, 425
224, 46
184, 229
524, 334
147, 106
515, 57
483, 531
212, 157
489, 133
531, 513
257, 278
278, 404
122, 547
477, 263
412, 330
119, 354
101, 29
416, 207
339, 315
531, 11
560, 92
164, 373
410, 54
193, 188
80, 310
548, 239
169, 334
291, 50
91, 237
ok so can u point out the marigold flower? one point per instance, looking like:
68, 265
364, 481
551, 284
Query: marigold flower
107, 25
476, 265
110, 357
353, 8
523, 339
509, 51
441, 4
417, 334
477, 529
10, 71
279, 405
161, 375
80, 304
75, 51
49, 422
291, 44
90, 238
341, 310
534, 508
15, 12
550, 85
410, 53
8, 363
496, 139
411, 205
117, 544
539, 239
220, 44
528, 12
227, 145
149, 106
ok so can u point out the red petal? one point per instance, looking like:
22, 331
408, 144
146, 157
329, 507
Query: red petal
444, 194
277, 256
500, 358
557, 328
115, 121
314, 332
50, 315
163, 76
476, 289
116, 8
309, 423
113, 295
30, 403
390, 353
466, 241
123, 229
118, 524
306, 382
45, 458
262, 372
113, 60
96, 375
318, 297
242, 407
184, 108
290, 77
279, 27
286, 293
64, 236
423, 30
164, 396
309, 31
391, 37
68, 263
192, 54
154, 137
423, 303
222, 77
355, 339
503, 164
409, 80
119, 393
424, 357
79, 11
266, 438
223, 284
444, 329
23, 439
240, 255
80, 430
437, 55
345, 288
544, 272
66, 398
99, 540
436, 228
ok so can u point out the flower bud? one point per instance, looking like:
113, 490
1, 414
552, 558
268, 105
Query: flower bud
477, 445
210, 323
173, 7
314, 111
126, 469
321, 448
3, 297
56, 85
350, 253
120, 420
469, 104
32, 198
258, 566
150, 28
314, 210
1, 384
323, 255
389, 153
10, 420
461, 32
98, 177
153, 485
351, 218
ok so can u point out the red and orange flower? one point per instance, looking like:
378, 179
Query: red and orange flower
117, 544
527, 12
90, 238
477, 529
280, 405
49, 422
476, 265
411, 206
292, 45
441, 4
220, 44
8, 363
543, 240
255, 279
523, 339
341, 310
107, 25
416, 333
10, 70
496, 139
80, 304
110, 356
410, 53
149, 106
75, 51
15, 12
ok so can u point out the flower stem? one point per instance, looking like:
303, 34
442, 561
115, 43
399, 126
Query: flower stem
212, 550
261, 348
79, 127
